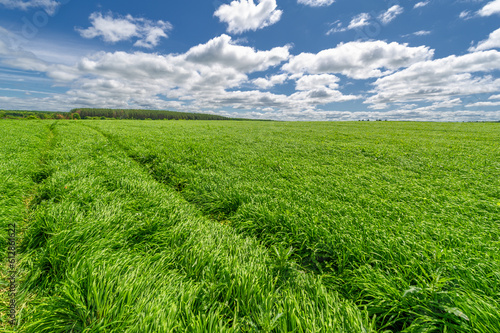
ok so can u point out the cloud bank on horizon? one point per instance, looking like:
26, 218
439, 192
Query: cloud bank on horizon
264, 59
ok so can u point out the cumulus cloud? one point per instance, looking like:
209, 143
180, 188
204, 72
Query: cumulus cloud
223, 52
319, 89
49, 6
493, 41
221, 74
390, 14
208, 76
266, 83
359, 60
316, 3
490, 8
199, 79
438, 80
203, 75
115, 29
312, 82
245, 15
421, 4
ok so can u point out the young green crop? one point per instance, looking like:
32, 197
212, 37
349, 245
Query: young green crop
20, 160
110, 249
401, 218
241, 226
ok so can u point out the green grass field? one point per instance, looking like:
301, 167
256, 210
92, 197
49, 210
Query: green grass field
227, 226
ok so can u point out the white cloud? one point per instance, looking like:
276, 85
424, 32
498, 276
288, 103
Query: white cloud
356, 22
363, 19
316, 3
421, 4
319, 90
15, 56
245, 15
312, 82
493, 41
214, 76
206, 77
483, 104
337, 28
390, 14
49, 6
422, 33
221, 51
359, 60
194, 80
418, 33
445, 104
266, 83
112, 30
359, 21
438, 80
278, 112
399, 114
466, 15
490, 8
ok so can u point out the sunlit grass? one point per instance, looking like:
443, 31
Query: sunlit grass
111, 249
20, 153
134, 226
401, 218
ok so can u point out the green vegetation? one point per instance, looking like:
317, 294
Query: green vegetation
21, 152
144, 114
258, 226
21, 114
103, 114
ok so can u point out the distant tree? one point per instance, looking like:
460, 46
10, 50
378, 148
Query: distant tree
143, 114
2, 114
75, 116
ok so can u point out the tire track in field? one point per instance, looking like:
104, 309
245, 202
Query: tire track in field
144, 160
280, 274
37, 176
282, 256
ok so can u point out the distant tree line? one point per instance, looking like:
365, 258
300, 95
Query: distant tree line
22, 114
144, 114
87, 113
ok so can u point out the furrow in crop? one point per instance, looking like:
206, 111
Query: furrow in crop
109, 248
20, 156
401, 218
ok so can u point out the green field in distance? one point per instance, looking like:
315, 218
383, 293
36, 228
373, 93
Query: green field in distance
229, 226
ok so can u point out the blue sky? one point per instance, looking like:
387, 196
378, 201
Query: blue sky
431, 60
